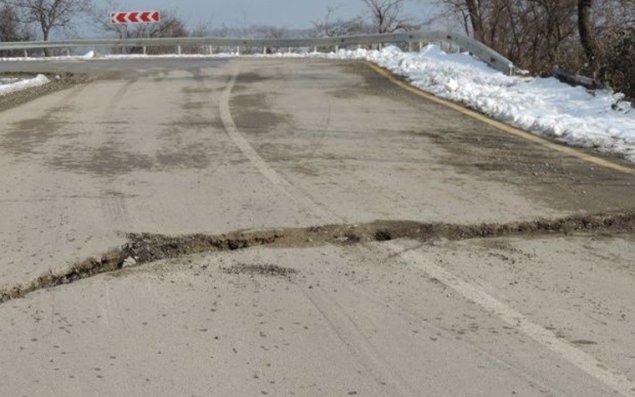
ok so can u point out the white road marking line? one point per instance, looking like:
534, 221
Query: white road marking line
611, 378
585, 362
265, 169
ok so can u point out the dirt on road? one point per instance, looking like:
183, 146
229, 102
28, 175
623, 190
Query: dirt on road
57, 82
300, 227
147, 248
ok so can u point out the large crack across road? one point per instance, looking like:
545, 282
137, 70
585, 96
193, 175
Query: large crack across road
146, 248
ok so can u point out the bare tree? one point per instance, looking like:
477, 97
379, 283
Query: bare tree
201, 29
326, 27
585, 28
100, 18
351, 26
50, 14
387, 16
273, 32
171, 26
11, 29
582, 36
456, 8
474, 12
536, 34
331, 27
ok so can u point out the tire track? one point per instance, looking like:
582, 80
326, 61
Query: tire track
308, 206
115, 210
583, 361
412, 315
113, 204
358, 344
59, 208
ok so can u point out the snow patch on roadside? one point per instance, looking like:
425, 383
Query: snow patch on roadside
20, 85
600, 120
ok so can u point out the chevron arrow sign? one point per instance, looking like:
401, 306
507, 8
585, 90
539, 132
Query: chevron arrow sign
135, 17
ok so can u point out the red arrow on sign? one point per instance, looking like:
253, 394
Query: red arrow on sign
118, 17
135, 17
145, 17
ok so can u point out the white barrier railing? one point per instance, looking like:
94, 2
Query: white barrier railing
411, 39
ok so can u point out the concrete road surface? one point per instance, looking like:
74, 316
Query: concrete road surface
427, 302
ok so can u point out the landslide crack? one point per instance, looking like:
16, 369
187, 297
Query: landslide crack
146, 248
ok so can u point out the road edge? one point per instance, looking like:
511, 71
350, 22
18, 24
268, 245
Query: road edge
500, 125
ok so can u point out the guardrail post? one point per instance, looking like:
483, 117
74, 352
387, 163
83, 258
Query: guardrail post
314, 48
337, 48
210, 49
410, 46
26, 53
264, 50
145, 50
420, 46
68, 52
178, 49
238, 50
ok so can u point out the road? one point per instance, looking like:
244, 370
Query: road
280, 148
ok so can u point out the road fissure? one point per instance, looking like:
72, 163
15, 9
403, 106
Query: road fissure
147, 248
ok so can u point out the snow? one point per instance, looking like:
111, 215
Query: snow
544, 106
88, 55
8, 86
45, 59
600, 119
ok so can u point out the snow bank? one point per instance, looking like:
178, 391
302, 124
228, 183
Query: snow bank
20, 85
600, 120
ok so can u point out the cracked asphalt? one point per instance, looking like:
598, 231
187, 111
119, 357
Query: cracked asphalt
210, 147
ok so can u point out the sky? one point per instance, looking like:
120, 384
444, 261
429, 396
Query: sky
293, 14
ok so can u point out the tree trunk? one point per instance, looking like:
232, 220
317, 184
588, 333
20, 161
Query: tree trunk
586, 30
45, 36
475, 18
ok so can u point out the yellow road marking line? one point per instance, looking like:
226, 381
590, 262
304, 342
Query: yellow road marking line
502, 126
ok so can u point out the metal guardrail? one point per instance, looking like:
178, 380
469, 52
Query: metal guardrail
465, 43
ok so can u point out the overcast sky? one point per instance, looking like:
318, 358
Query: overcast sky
238, 13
